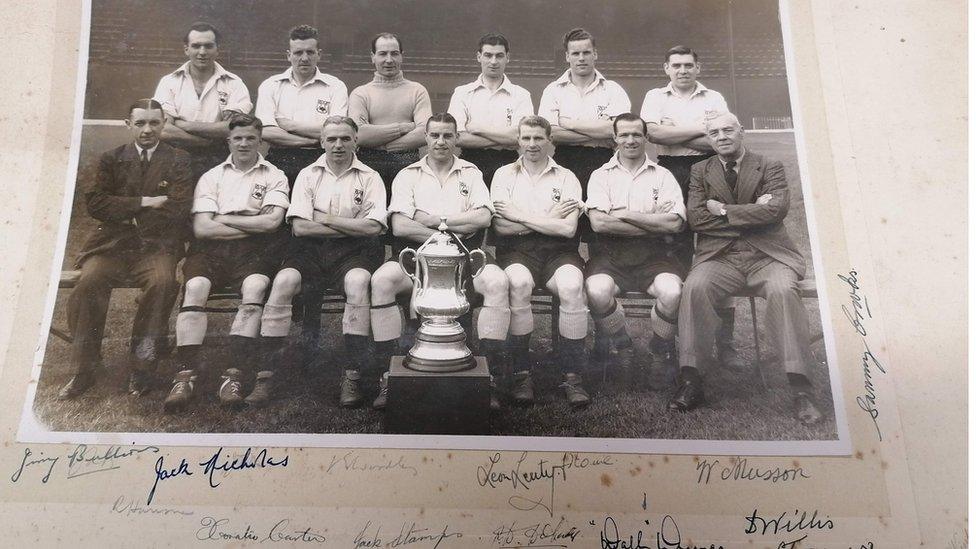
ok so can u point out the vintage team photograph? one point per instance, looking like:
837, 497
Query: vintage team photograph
541, 225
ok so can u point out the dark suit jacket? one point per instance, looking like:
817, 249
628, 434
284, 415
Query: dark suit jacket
759, 225
115, 197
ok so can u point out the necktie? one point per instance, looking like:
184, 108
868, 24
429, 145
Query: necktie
144, 161
730, 176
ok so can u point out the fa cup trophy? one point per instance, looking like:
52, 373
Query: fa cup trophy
439, 277
439, 387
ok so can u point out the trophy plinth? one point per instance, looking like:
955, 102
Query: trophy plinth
439, 386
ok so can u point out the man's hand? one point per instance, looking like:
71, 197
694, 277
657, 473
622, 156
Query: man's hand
508, 211
562, 209
406, 127
714, 207
364, 210
426, 219
663, 207
666, 122
153, 202
566, 122
474, 127
764, 199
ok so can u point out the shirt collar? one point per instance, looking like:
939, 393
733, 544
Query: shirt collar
149, 151
289, 72
459, 164
615, 163
550, 166
699, 88
738, 160
506, 84
564, 79
322, 162
219, 71
261, 162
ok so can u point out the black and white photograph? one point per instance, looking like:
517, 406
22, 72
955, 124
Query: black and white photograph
538, 225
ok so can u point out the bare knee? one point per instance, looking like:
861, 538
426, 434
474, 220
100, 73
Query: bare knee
668, 292
197, 290
383, 284
254, 287
493, 282
287, 282
600, 291
520, 286
569, 286
356, 285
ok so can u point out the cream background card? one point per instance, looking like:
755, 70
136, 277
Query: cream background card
881, 100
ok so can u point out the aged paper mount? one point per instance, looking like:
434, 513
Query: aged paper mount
349, 498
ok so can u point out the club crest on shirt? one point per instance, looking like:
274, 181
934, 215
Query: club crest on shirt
258, 192
464, 189
655, 193
323, 106
557, 194
357, 197
601, 111
508, 115
222, 98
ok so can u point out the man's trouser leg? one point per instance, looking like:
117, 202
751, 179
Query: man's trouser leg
786, 322
156, 275
88, 307
706, 287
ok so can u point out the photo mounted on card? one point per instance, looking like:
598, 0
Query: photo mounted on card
340, 230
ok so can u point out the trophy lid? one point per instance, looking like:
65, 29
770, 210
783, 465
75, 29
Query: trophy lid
440, 244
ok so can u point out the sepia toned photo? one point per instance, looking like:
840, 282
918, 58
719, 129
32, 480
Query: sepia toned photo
543, 225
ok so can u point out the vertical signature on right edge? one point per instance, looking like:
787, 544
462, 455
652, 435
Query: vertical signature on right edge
857, 314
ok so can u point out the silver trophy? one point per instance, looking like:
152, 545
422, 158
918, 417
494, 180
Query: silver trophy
439, 278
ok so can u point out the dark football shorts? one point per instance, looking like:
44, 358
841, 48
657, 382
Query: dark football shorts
226, 263
325, 262
633, 262
541, 254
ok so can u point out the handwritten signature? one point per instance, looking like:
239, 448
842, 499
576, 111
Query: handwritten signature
536, 535
219, 529
523, 474
668, 536
350, 461
81, 460
217, 462
741, 470
857, 314
408, 535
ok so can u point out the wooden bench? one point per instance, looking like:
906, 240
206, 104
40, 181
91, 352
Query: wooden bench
635, 305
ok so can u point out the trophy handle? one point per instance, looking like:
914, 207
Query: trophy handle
484, 261
403, 267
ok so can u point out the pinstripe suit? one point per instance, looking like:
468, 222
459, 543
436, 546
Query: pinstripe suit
747, 248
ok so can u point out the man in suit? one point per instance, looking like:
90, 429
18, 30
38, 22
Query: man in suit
141, 196
737, 201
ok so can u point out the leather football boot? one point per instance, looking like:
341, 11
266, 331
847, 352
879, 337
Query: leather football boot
522, 391
575, 393
181, 393
231, 394
350, 395
804, 409
261, 394
77, 385
379, 403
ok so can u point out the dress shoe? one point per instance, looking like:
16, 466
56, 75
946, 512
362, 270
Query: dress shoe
231, 394
805, 411
140, 382
181, 393
575, 393
522, 390
688, 396
77, 385
261, 393
350, 395
379, 403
